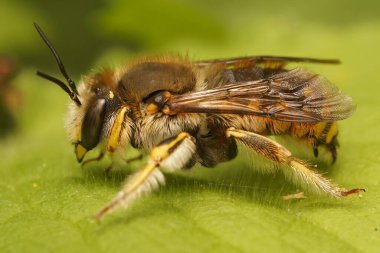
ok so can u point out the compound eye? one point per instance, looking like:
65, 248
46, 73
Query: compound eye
92, 124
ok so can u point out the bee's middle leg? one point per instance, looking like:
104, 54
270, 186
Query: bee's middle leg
173, 153
136, 158
298, 171
108, 170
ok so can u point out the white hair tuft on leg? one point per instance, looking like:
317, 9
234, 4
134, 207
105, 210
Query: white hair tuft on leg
151, 183
180, 156
172, 154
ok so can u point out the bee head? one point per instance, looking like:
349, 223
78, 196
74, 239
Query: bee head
94, 106
89, 123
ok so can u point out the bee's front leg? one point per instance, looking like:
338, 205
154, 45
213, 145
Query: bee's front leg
173, 153
296, 170
95, 159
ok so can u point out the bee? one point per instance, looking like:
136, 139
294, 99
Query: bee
186, 112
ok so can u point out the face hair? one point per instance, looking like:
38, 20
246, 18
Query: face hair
72, 91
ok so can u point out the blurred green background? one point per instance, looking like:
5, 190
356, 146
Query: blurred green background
47, 200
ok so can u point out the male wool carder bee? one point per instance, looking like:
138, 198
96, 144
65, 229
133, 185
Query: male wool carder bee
185, 112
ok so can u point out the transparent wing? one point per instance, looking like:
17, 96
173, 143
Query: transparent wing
295, 95
265, 60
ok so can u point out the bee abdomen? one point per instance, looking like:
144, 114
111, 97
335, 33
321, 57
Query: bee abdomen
320, 133
313, 134
325, 132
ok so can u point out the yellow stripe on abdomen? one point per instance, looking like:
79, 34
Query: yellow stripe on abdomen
332, 133
325, 132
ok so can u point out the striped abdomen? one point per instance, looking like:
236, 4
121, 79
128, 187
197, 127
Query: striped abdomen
313, 134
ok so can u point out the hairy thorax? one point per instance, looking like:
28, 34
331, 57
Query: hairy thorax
149, 130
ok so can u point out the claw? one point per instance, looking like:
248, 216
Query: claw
352, 191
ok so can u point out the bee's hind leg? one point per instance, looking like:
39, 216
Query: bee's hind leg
173, 153
298, 171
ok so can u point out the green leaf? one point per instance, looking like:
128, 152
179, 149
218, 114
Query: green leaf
47, 200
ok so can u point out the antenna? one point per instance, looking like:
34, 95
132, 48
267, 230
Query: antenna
71, 89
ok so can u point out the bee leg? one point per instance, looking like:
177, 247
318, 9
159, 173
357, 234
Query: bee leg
173, 153
98, 158
332, 148
326, 134
137, 158
315, 149
108, 170
298, 171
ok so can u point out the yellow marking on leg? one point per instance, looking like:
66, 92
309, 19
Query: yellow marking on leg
146, 180
111, 95
241, 134
233, 132
161, 152
114, 137
141, 177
